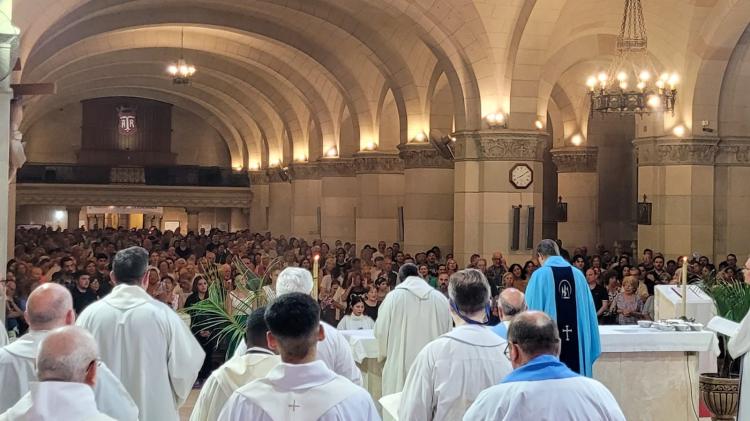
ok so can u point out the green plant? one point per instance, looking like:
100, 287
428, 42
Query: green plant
732, 301
211, 314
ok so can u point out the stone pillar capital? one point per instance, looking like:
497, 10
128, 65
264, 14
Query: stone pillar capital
336, 167
575, 159
378, 163
500, 145
305, 171
422, 155
278, 175
660, 151
258, 177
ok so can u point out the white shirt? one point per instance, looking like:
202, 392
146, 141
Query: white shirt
55, 401
18, 373
334, 350
739, 345
411, 316
451, 371
232, 375
300, 392
571, 399
148, 346
352, 322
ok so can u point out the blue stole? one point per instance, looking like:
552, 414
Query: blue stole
543, 367
500, 330
567, 316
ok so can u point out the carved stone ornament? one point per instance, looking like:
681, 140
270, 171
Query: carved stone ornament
575, 159
422, 156
734, 151
378, 163
278, 175
305, 171
670, 151
258, 178
336, 167
500, 145
127, 175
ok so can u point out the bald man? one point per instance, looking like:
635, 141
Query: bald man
67, 371
510, 303
50, 306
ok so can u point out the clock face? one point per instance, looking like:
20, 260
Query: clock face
521, 176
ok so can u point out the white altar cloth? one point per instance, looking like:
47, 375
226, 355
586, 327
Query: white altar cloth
668, 303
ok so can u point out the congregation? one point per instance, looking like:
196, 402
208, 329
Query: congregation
357, 289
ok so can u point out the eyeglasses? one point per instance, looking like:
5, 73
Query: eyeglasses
507, 349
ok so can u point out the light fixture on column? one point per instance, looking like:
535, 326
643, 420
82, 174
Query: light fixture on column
180, 70
420, 137
679, 130
255, 166
332, 152
59, 215
371, 146
539, 125
495, 120
631, 86
576, 140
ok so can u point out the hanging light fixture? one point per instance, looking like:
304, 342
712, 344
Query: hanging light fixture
632, 85
180, 70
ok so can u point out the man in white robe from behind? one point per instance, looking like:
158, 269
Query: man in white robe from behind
541, 387
411, 316
66, 368
143, 341
334, 350
257, 361
452, 370
50, 306
301, 387
739, 345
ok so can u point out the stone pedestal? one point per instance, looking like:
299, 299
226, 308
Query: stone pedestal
338, 200
578, 185
677, 177
484, 195
306, 190
259, 205
280, 203
380, 181
428, 199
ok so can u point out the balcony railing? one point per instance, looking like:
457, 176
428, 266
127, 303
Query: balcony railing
182, 175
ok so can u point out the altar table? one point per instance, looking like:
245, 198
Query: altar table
652, 374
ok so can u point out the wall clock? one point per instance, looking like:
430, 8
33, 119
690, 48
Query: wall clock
521, 176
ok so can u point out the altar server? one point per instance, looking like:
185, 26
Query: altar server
144, 342
237, 372
450, 371
50, 306
561, 291
66, 368
411, 316
301, 387
540, 386
334, 350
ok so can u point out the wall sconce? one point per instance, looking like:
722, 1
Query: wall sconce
420, 137
255, 166
332, 152
679, 130
538, 124
371, 146
496, 120
576, 140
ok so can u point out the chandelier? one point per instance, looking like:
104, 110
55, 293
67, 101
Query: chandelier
180, 70
632, 84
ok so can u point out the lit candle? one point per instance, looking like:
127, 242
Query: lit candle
684, 286
315, 273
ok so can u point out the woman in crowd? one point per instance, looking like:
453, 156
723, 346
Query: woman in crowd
154, 286
167, 294
517, 271
13, 310
357, 320
383, 288
355, 287
371, 302
627, 305
528, 268
270, 288
94, 286
509, 281
452, 266
328, 308
647, 296
197, 325
424, 273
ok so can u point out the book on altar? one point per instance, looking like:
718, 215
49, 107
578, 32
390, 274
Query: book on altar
390, 404
723, 326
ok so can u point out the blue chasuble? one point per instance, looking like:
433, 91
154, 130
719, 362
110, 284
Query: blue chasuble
562, 292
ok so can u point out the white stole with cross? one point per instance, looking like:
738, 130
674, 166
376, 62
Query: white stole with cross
307, 405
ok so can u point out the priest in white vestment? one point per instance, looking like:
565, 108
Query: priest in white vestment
50, 306
541, 387
411, 316
67, 370
452, 370
739, 345
238, 371
334, 350
143, 341
301, 387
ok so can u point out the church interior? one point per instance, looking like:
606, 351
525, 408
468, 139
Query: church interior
472, 125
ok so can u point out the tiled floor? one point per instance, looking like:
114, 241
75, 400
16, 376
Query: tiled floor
187, 408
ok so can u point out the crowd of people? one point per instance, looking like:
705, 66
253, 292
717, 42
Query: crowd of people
352, 288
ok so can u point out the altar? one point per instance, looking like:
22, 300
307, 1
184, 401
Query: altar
652, 374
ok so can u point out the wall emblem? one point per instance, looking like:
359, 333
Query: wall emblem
126, 120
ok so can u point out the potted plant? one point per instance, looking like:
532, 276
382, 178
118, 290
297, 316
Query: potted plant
720, 391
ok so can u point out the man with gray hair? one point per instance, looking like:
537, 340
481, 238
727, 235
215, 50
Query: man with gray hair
50, 306
67, 371
452, 370
540, 386
561, 291
510, 303
334, 350
144, 341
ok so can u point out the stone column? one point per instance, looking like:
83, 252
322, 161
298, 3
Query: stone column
123, 220
239, 219
338, 200
732, 172
484, 195
259, 206
279, 204
578, 185
193, 220
428, 198
677, 177
74, 212
7, 192
306, 188
380, 181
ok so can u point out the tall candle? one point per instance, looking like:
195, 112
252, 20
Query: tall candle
684, 287
315, 273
